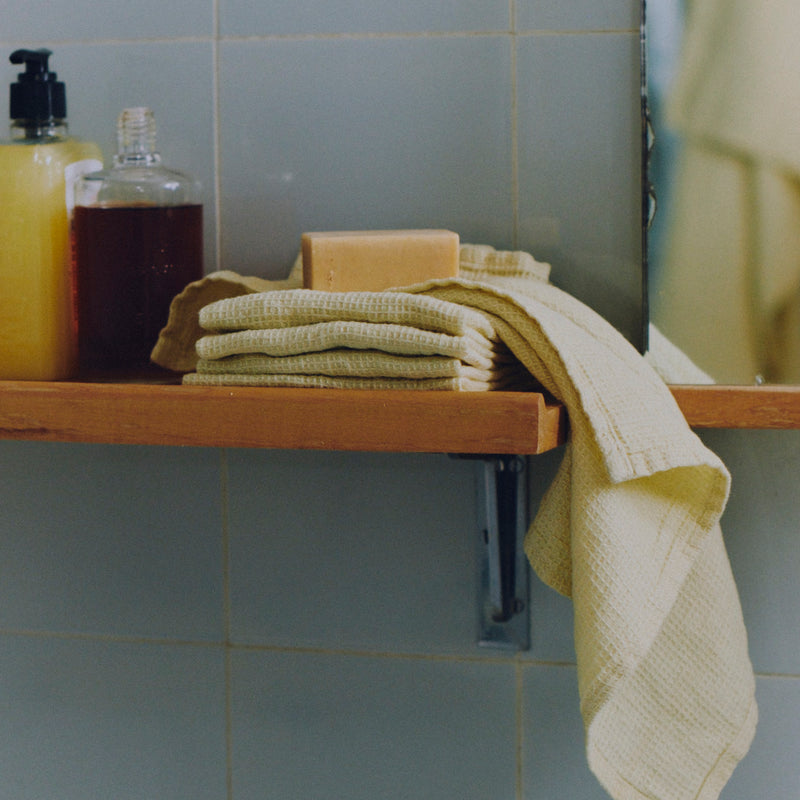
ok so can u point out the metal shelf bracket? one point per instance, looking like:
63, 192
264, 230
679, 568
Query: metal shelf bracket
503, 575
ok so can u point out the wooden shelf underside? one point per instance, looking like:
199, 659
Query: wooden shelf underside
398, 421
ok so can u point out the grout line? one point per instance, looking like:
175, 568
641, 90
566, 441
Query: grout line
522, 663
377, 654
110, 638
226, 612
365, 35
425, 34
520, 730
225, 545
498, 657
215, 36
514, 129
215, 116
780, 676
228, 725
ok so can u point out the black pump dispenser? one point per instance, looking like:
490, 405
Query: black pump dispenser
37, 98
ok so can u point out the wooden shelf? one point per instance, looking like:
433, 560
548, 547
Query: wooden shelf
400, 421
771, 406
524, 423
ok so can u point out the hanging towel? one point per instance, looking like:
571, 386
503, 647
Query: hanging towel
629, 530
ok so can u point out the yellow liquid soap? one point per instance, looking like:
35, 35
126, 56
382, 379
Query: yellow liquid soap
37, 325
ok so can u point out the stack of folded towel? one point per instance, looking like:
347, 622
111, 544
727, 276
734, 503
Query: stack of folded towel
362, 340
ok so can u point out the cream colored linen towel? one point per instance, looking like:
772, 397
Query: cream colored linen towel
391, 338
355, 340
629, 530
175, 348
357, 369
322, 381
336, 353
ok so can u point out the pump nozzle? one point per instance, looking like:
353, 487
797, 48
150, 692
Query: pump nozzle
35, 62
37, 97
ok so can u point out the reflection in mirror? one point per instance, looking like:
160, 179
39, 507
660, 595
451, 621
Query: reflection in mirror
723, 83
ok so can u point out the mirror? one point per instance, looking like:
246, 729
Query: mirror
723, 246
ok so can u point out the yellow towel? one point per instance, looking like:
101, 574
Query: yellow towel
320, 381
630, 530
295, 307
175, 348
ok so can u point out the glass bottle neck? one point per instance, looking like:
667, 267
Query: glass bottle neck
136, 138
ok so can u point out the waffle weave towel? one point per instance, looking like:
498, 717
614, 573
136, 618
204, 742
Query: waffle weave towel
630, 530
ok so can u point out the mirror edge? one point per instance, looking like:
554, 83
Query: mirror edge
773, 406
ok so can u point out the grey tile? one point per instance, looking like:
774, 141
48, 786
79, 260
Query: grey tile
316, 725
113, 540
239, 17
760, 527
553, 756
362, 133
39, 21
99, 719
579, 167
771, 768
602, 15
353, 550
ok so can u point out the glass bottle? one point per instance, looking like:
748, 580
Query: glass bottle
137, 242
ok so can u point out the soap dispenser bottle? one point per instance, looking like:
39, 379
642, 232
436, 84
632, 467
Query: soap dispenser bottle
38, 167
138, 241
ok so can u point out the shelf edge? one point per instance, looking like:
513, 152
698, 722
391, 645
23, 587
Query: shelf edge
757, 407
335, 419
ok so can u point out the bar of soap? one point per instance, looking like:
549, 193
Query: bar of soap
371, 261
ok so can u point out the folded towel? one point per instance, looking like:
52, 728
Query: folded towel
175, 348
362, 363
358, 369
472, 347
291, 308
314, 381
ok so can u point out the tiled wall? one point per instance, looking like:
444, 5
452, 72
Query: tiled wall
514, 123
189, 624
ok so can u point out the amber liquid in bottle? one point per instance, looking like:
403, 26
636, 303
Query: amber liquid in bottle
137, 241
130, 262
